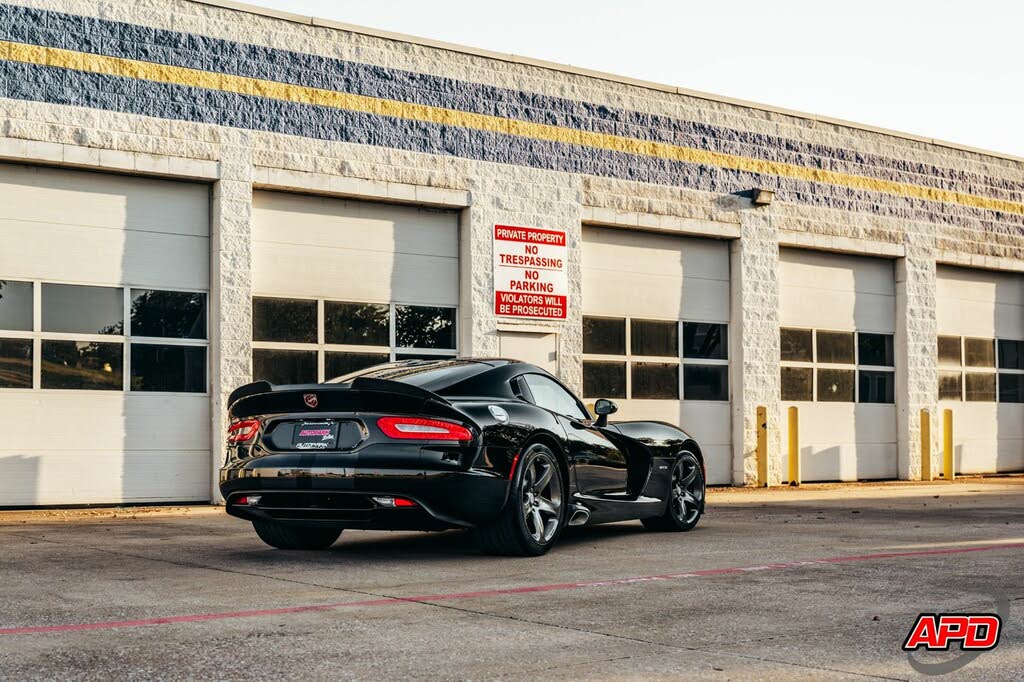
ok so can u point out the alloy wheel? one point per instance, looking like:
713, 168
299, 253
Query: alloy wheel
687, 490
541, 497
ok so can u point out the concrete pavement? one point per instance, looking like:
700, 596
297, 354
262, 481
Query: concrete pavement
833, 577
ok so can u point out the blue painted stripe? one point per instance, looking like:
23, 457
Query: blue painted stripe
62, 86
131, 41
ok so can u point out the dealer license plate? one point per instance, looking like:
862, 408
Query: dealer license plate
321, 435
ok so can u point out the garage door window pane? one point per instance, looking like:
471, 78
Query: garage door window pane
797, 345
654, 338
15, 363
340, 364
981, 387
424, 327
604, 379
284, 366
83, 365
16, 306
875, 350
950, 351
980, 352
604, 336
705, 341
170, 314
951, 385
1011, 354
877, 387
797, 384
1011, 388
835, 347
171, 369
283, 319
705, 382
83, 310
362, 324
835, 385
655, 380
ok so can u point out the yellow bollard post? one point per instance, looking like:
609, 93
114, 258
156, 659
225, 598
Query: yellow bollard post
794, 446
762, 446
947, 446
926, 445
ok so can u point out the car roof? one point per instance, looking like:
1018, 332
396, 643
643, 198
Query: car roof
462, 376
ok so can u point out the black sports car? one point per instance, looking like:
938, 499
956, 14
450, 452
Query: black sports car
496, 446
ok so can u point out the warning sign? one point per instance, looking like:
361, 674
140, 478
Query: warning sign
530, 277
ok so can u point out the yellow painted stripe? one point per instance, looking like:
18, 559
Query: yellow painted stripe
177, 75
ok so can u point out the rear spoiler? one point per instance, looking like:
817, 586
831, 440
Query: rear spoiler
357, 384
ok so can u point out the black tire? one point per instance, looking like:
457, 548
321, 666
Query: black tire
538, 492
286, 536
685, 497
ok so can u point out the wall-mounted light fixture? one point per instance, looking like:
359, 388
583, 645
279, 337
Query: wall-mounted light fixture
762, 197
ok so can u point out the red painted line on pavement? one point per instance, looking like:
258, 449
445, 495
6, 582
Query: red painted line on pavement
387, 601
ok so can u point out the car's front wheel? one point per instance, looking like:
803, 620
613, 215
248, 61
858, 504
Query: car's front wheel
685, 497
535, 513
287, 536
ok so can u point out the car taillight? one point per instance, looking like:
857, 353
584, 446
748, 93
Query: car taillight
415, 428
243, 431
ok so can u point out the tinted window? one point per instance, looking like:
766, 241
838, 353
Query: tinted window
340, 364
604, 379
980, 387
875, 349
950, 351
603, 336
654, 337
877, 387
705, 340
284, 366
15, 363
83, 310
433, 375
797, 345
16, 305
363, 324
178, 369
1011, 388
171, 314
283, 319
1011, 354
424, 327
979, 352
797, 384
951, 385
551, 396
835, 385
82, 365
835, 347
655, 380
705, 382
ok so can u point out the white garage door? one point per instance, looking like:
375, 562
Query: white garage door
341, 285
655, 333
103, 338
837, 315
981, 366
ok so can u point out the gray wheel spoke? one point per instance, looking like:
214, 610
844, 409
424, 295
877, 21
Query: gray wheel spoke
688, 498
547, 506
545, 477
688, 479
538, 524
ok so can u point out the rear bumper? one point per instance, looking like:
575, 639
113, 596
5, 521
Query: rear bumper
342, 496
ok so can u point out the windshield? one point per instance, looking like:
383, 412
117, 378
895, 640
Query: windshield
432, 375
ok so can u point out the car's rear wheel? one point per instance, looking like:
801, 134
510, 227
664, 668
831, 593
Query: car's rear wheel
287, 536
686, 497
535, 513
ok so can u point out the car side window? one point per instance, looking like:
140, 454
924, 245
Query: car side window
551, 396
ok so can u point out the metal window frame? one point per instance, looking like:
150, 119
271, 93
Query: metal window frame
321, 347
125, 339
815, 365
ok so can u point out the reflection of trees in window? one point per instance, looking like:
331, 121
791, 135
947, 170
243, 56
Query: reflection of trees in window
363, 324
424, 327
169, 314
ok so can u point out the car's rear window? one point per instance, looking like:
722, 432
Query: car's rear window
432, 375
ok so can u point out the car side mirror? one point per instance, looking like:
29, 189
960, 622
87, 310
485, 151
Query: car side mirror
602, 408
